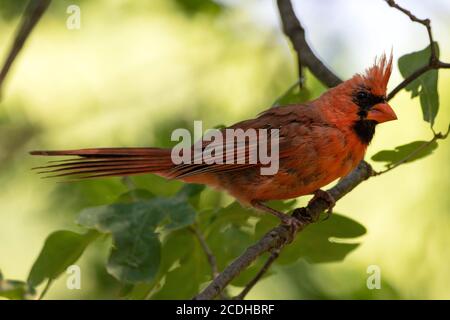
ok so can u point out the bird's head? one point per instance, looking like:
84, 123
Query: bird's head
360, 102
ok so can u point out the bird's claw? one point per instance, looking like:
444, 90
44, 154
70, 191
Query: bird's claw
327, 215
295, 222
328, 198
303, 215
292, 222
293, 225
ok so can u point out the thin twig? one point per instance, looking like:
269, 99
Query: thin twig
289, 90
425, 22
301, 77
44, 292
433, 62
416, 74
437, 136
273, 256
413, 76
210, 256
30, 18
306, 57
443, 65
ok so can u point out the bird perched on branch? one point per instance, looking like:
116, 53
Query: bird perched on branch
319, 141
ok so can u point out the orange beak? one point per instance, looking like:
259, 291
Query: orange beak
381, 112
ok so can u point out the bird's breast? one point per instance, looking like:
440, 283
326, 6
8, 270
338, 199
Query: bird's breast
311, 165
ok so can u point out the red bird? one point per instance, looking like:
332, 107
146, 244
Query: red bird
319, 142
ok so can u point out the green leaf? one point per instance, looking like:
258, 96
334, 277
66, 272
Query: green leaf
176, 247
12, 9
61, 249
136, 253
190, 190
233, 226
134, 195
229, 226
15, 289
401, 152
196, 6
192, 193
185, 266
325, 241
248, 274
233, 213
294, 95
426, 85
229, 242
134, 258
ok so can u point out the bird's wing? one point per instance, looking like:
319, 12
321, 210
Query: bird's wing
291, 122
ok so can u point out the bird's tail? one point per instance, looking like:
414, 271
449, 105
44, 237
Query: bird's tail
107, 162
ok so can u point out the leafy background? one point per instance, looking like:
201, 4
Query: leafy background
136, 71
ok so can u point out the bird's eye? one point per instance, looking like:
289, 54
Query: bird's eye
362, 95
366, 99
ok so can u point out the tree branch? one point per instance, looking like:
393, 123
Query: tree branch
424, 22
30, 18
294, 30
278, 237
433, 63
210, 256
273, 256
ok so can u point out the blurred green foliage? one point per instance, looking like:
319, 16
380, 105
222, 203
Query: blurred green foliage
327, 241
12, 9
157, 70
136, 251
391, 157
200, 6
425, 86
154, 248
15, 289
61, 249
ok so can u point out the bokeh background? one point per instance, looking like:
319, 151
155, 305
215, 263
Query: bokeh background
136, 70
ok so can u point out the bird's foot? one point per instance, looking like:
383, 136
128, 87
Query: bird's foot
293, 224
300, 218
328, 198
303, 215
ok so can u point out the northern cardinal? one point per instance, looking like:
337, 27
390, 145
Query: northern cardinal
319, 141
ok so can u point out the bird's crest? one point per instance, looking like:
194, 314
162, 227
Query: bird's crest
376, 77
